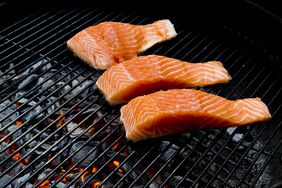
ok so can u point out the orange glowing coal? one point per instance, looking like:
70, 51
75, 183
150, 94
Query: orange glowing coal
19, 122
62, 120
96, 184
94, 169
83, 175
117, 163
117, 145
65, 178
45, 184
17, 156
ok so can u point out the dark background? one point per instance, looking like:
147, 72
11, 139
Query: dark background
258, 21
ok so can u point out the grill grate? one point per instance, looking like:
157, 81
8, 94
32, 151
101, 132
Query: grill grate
57, 130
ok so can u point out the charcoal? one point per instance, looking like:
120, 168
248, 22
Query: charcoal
63, 142
39, 165
23, 101
237, 136
28, 185
56, 161
44, 174
20, 180
46, 146
19, 94
169, 152
154, 185
29, 81
3, 155
127, 166
6, 112
43, 136
76, 132
61, 185
52, 108
34, 113
11, 69
5, 179
3, 79
81, 87
47, 84
17, 133
32, 144
83, 152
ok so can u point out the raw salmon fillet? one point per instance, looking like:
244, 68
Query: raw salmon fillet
108, 43
147, 74
177, 110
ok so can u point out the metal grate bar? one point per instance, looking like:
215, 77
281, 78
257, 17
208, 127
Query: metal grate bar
60, 53
182, 162
45, 40
209, 53
248, 130
177, 43
149, 151
175, 153
37, 87
153, 161
135, 18
265, 144
60, 24
165, 165
58, 89
47, 117
111, 159
47, 138
50, 103
26, 76
62, 86
224, 147
267, 160
231, 136
37, 31
172, 56
87, 141
69, 144
11, 27
185, 159
193, 44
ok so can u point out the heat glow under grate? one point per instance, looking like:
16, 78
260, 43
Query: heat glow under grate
58, 131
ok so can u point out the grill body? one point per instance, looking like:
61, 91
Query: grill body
57, 130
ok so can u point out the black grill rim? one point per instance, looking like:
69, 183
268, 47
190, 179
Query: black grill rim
194, 58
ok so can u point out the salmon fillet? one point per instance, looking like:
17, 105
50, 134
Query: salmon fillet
108, 43
147, 74
177, 110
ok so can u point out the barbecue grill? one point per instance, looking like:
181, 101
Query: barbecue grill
58, 131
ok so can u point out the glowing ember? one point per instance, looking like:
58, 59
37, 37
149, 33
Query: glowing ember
19, 122
78, 169
117, 163
117, 145
120, 170
17, 156
96, 184
45, 184
91, 131
94, 169
62, 120
83, 175
65, 178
